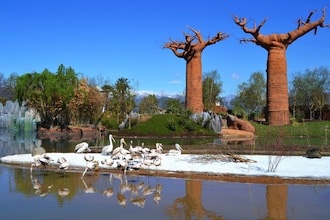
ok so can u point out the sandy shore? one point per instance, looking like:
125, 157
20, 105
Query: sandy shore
261, 168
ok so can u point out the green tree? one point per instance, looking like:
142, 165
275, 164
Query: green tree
251, 97
174, 106
86, 107
6, 89
212, 88
48, 93
148, 104
310, 89
122, 101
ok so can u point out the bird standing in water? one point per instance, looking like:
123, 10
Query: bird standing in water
63, 164
40, 160
91, 164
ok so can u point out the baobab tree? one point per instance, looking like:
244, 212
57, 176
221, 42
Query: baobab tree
276, 46
191, 50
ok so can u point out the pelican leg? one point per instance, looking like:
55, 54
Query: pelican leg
84, 172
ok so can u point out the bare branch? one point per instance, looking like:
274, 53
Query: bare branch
197, 34
242, 23
309, 16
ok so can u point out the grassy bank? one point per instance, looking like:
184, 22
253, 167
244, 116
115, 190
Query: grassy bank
168, 125
319, 129
174, 125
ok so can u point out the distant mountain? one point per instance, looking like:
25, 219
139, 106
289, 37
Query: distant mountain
161, 98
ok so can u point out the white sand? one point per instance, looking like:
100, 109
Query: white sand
264, 165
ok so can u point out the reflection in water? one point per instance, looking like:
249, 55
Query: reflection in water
276, 201
88, 187
173, 198
190, 206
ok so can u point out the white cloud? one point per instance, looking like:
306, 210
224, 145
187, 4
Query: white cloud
175, 82
235, 76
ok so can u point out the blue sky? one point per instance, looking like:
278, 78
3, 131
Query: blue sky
108, 39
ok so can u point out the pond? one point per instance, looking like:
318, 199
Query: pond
46, 194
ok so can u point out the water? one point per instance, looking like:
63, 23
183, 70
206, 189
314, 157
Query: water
53, 195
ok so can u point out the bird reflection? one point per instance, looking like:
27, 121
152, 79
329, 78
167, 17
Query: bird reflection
157, 194
147, 190
63, 192
138, 201
88, 188
121, 199
157, 197
40, 189
108, 192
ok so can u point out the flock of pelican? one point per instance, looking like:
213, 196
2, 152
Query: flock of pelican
133, 158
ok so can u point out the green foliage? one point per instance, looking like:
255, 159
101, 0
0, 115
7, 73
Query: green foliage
212, 87
6, 89
190, 125
174, 106
310, 90
171, 123
49, 93
252, 95
148, 105
167, 125
304, 129
109, 123
122, 100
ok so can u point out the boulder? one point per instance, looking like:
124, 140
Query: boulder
313, 153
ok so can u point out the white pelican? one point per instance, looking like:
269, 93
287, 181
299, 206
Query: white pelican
82, 148
157, 161
106, 150
40, 160
63, 163
91, 164
159, 148
136, 149
120, 150
121, 163
108, 161
177, 151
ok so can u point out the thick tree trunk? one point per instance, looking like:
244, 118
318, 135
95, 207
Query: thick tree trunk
277, 88
194, 84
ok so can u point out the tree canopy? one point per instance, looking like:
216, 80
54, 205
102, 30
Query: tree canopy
251, 97
212, 88
311, 89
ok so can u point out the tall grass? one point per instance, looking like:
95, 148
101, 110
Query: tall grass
304, 129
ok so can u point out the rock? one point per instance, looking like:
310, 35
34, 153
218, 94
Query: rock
313, 153
38, 151
235, 123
